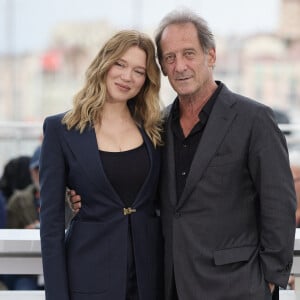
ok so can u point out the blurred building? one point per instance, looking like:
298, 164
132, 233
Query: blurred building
264, 66
33, 85
289, 20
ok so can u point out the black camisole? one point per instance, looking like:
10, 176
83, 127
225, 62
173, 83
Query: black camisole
126, 171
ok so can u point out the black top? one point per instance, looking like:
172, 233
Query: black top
185, 147
126, 171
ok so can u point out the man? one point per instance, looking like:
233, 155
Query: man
227, 194
228, 200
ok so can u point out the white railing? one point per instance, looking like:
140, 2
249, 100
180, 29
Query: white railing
18, 138
21, 138
20, 253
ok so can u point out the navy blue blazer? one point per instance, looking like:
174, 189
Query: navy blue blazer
90, 261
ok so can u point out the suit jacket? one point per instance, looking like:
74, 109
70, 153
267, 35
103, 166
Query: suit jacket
91, 261
232, 230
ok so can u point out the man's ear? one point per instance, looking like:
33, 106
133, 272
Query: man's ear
162, 68
164, 73
211, 57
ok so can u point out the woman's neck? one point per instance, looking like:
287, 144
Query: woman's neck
115, 112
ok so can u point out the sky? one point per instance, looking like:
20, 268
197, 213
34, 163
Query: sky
25, 25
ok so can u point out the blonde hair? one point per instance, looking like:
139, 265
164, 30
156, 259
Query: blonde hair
88, 102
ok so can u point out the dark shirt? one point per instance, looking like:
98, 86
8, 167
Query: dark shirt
126, 171
185, 147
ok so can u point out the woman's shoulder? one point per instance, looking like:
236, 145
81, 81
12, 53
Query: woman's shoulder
55, 119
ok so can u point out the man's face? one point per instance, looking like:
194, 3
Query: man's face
188, 68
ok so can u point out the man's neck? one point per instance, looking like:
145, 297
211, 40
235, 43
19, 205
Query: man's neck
190, 106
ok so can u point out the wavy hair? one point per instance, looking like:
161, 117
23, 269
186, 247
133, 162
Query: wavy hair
88, 102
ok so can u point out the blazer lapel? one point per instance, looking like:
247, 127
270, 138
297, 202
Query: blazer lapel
154, 160
219, 121
85, 149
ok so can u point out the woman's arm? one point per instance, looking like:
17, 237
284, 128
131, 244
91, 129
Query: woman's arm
52, 214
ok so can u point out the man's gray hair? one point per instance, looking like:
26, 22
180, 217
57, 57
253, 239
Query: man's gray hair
182, 16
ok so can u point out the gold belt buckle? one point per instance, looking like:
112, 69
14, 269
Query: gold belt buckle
128, 211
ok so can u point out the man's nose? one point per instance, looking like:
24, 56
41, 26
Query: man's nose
180, 64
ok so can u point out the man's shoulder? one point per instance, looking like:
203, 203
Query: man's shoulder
242, 101
167, 111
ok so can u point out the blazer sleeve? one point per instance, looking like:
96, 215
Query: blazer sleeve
52, 213
270, 169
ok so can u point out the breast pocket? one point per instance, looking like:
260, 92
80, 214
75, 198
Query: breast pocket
225, 159
88, 258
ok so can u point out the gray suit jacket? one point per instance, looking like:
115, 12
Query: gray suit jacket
232, 230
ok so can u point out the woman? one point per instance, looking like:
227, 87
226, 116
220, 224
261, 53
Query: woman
107, 149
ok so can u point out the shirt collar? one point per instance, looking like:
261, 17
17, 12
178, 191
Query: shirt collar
207, 108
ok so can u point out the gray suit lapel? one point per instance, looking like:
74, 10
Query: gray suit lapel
169, 165
219, 121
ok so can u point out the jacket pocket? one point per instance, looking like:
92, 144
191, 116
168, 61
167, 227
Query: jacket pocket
233, 255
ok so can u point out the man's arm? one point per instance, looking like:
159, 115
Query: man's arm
271, 173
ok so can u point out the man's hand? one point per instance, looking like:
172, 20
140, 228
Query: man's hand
74, 201
271, 287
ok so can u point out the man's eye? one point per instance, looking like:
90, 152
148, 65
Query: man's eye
189, 54
169, 59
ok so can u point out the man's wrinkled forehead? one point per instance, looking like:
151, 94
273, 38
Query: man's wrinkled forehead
176, 37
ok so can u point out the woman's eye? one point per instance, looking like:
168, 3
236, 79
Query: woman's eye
119, 64
140, 72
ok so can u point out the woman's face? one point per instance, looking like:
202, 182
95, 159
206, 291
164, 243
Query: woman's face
126, 77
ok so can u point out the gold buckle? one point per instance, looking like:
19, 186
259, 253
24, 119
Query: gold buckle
128, 211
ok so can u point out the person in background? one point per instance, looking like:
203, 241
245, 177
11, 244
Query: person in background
16, 176
22, 212
23, 206
107, 147
2, 211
